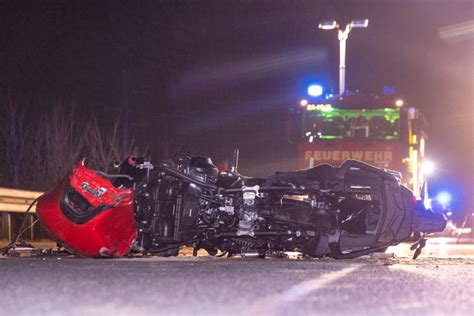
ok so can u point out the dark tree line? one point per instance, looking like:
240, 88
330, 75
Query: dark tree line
38, 147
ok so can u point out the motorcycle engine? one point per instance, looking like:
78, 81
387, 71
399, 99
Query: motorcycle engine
199, 168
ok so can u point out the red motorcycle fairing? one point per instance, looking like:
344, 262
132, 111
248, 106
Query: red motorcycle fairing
88, 215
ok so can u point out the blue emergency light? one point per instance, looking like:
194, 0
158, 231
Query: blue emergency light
315, 90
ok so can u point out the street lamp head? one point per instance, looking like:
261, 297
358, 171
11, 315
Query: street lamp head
328, 25
359, 23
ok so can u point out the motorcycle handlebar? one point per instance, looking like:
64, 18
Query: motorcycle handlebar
426, 221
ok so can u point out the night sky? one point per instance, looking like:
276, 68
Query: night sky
222, 73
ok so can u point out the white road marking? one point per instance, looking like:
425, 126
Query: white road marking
268, 305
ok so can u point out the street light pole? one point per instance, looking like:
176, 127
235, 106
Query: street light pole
342, 35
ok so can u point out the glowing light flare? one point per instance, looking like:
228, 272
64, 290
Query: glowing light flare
427, 167
315, 90
304, 102
399, 102
443, 198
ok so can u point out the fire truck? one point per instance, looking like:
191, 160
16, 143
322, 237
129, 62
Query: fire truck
383, 131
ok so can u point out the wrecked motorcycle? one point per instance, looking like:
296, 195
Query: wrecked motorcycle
340, 212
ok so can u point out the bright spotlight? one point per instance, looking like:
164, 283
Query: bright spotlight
427, 167
315, 90
360, 23
443, 198
304, 102
328, 25
399, 102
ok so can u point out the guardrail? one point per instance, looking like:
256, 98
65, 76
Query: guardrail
14, 202
17, 201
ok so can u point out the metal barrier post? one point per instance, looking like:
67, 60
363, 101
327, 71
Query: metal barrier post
16, 201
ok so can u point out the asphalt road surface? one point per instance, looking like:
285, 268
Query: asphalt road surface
441, 285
